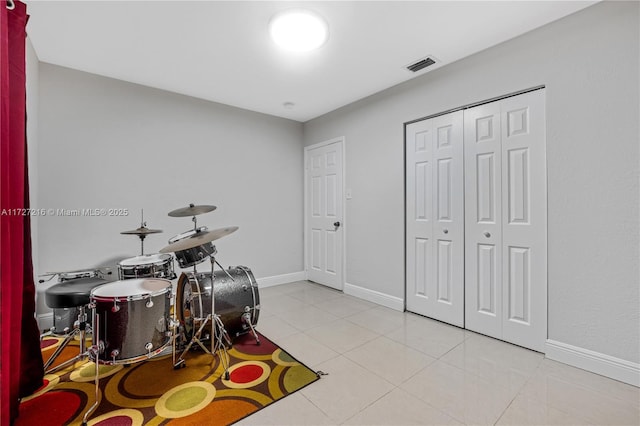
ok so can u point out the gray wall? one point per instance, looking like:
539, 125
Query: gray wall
109, 144
589, 64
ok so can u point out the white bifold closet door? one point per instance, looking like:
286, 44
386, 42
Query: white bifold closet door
505, 220
435, 218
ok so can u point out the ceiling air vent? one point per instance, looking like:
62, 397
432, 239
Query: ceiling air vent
421, 64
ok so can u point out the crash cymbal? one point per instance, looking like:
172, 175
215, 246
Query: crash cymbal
192, 210
199, 239
143, 230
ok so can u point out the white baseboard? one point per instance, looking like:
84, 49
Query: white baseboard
605, 365
281, 279
373, 296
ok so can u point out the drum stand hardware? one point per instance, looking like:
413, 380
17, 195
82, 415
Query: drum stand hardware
220, 335
246, 318
80, 327
95, 351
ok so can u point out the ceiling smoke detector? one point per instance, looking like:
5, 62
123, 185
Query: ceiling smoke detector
421, 64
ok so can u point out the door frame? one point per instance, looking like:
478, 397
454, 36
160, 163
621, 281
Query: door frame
342, 141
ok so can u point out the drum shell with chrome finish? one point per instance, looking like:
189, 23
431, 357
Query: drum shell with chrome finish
194, 255
147, 266
64, 320
131, 317
233, 298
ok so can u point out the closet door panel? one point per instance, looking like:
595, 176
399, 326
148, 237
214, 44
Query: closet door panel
483, 219
435, 231
524, 263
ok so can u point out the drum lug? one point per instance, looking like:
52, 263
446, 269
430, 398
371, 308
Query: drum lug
115, 307
114, 354
149, 303
148, 347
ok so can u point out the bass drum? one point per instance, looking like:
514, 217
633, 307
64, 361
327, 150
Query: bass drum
237, 300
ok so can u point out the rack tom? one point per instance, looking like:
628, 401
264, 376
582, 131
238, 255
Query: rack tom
195, 255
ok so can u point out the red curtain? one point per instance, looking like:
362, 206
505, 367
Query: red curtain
21, 362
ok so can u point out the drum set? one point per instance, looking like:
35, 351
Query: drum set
139, 316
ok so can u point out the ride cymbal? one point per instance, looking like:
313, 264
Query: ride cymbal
192, 210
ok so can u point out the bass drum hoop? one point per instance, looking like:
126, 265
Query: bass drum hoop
254, 285
191, 279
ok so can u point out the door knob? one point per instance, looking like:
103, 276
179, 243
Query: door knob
336, 224
486, 234
446, 231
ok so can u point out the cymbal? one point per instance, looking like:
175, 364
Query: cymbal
143, 230
192, 210
199, 239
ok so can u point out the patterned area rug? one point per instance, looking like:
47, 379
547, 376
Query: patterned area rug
153, 393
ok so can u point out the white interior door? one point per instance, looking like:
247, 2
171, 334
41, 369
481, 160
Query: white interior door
506, 222
324, 227
435, 218
524, 212
483, 201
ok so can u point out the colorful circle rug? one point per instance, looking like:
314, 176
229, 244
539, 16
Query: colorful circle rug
152, 392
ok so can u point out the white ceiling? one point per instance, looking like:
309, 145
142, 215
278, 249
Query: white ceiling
220, 50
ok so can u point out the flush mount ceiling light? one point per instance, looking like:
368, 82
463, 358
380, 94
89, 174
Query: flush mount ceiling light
298, 30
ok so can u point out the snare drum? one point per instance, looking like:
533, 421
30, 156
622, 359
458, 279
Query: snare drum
233, 299
194, 255
147, 266
131, 319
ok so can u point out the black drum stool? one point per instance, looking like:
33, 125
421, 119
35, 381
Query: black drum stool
70, 297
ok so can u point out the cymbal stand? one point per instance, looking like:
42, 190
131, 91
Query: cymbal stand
79, 328
217, 327
143, 224
194, 219
175, 326
219, 332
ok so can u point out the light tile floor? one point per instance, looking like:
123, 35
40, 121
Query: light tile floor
391, 368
